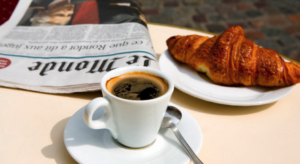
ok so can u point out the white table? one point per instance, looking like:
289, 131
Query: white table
32, 123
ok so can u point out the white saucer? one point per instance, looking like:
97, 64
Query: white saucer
88, 146
199, 85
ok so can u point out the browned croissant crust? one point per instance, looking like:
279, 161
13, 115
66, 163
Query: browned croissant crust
232, 59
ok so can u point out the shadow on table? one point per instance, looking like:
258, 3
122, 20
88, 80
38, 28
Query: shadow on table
57, 150
80, 95
182, 99
84, 95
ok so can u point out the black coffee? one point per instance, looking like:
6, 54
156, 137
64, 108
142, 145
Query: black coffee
137, 86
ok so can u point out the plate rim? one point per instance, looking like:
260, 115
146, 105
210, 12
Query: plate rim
220, 101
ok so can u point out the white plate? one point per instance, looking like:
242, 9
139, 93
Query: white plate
88, 146
199, 85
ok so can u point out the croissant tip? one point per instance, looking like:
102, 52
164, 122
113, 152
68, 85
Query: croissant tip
236, 26
171, 39
174, 37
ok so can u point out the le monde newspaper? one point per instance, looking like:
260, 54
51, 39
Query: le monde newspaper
66, 46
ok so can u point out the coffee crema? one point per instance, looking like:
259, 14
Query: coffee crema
137, 86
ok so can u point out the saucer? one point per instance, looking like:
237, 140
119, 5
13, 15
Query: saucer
89, 146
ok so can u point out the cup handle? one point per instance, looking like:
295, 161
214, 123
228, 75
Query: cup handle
105, 121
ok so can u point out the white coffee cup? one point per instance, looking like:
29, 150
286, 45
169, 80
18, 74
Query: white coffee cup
133, 123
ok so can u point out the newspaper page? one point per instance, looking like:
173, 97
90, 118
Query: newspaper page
66, 46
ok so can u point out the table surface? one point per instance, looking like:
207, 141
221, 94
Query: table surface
32, 123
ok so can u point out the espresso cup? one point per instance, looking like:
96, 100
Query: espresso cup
133, 123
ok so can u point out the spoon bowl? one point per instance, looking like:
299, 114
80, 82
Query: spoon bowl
172, 115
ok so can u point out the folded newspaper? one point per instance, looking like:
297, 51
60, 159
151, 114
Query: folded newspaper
66, 46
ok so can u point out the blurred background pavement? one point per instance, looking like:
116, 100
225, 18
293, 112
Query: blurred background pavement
272, 24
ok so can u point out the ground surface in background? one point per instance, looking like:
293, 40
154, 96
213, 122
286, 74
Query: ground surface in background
272, 24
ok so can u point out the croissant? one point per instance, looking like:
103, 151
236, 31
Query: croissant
232, 59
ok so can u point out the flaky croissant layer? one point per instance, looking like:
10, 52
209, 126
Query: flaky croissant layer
232, 59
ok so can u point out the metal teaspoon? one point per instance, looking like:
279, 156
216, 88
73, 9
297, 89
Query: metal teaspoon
171, 119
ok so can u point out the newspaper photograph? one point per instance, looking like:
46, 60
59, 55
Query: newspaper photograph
66, 46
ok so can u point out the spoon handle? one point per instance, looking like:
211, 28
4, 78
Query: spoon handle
188, 149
